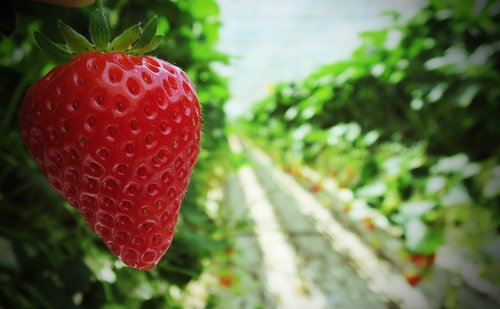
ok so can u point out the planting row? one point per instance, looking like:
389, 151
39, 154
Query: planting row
407, 130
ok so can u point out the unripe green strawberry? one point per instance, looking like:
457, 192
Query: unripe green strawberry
117, 136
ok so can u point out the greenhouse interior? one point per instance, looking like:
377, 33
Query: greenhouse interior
250, 154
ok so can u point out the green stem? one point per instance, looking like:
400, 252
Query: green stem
100, 5
108, 294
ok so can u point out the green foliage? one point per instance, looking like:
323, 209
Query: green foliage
99, 29
409, 123
48, 257
134, 40
414, 80
76, 42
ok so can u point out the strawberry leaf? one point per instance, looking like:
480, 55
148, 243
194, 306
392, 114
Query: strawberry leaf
51, 48
152, 45
99, 30
147, 34
133, 40
76, 42
123, 41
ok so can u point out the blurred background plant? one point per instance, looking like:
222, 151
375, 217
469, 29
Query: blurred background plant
410, 123
48, 256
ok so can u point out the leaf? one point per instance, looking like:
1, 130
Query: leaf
467, 95
8, 257
50, 48
99, 30
163, 25
76, 42
415, 233
453, 164
203, 9
415, 209
123, 41
147, 34
372, 190
492, 188
420, 239
153, 44
456, 196
435, 184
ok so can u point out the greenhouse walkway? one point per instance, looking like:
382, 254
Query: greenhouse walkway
298, 255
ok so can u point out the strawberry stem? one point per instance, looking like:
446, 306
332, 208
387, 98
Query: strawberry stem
100, 5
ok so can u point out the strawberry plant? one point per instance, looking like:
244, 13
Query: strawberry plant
408, 123
117, 135
49, 255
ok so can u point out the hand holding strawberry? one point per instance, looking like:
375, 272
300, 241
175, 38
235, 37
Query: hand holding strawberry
68, 3
117, 135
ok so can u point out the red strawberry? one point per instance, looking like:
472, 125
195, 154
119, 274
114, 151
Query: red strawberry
226, 281
117, 136
431, 258
368, 223
422, 260
315, 188
418, 259
413, 279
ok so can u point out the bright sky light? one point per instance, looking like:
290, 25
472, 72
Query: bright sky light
270, 41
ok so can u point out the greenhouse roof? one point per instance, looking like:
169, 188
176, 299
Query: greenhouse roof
289, 39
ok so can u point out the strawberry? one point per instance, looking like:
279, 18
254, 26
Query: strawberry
117, 134
422, 259
315, 188
226, 281
413, 278
369, 224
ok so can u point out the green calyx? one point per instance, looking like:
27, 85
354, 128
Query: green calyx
135, 40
